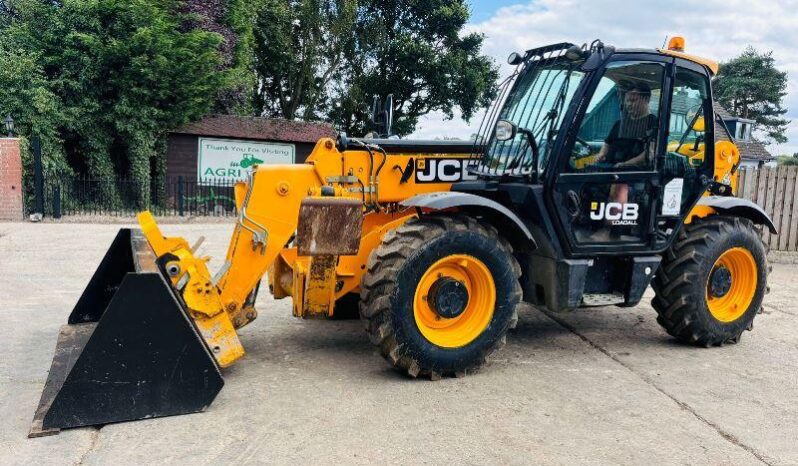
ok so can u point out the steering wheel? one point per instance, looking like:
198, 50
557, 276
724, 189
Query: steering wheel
584, 143
581, 155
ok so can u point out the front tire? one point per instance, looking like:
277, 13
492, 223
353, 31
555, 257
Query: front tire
712, 281
440, 294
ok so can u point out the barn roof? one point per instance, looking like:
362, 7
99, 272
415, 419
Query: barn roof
258, 128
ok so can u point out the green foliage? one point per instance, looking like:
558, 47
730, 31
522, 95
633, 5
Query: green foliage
787, 160
241, 77
299, 50
102, 81
232, 19
751, 87
325, 59
417, 51
25, 94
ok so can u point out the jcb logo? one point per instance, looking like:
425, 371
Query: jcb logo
438, 170
615, 212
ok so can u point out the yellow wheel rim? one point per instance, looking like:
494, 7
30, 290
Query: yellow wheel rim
461, 330
741, 266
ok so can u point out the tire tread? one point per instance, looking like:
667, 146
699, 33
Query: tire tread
673, 284
379, 283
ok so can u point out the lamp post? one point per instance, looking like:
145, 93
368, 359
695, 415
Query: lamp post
9, 125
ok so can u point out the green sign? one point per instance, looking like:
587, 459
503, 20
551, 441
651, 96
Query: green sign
227, 160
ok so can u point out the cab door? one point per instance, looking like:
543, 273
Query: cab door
633, 165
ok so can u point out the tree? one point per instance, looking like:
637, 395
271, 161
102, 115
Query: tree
114, 75
232, 20
299, 50
415, 50
25, 93
751, 87
787, 160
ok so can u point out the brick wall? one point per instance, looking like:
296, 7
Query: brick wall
11, 207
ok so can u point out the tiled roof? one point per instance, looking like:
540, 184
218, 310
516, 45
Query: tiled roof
753, 150
721, 131
682, 103
722, 112
266, 129
749, 150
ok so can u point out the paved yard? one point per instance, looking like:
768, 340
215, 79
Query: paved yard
591, 387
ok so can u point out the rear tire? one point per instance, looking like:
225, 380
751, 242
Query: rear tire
701, 304
397, 316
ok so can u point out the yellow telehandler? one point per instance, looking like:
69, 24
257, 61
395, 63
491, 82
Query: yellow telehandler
597, 172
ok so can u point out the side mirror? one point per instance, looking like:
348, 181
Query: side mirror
382, 116
388, 112
575, 52
515, 58
597, 57
505, 130
375, 109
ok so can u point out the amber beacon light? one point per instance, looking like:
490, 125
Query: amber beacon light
676, 44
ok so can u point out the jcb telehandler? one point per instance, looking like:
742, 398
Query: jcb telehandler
598, 172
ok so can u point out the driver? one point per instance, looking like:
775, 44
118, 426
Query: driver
631, 138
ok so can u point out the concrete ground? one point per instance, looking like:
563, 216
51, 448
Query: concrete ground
590, 387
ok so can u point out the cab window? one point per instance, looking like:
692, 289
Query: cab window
685, 158
621, 124
687, 135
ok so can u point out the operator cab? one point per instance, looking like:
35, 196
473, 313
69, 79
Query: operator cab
603, 152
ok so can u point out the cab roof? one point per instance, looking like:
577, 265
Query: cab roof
710, 64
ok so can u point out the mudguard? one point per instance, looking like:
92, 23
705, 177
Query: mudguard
736, 206
447, 200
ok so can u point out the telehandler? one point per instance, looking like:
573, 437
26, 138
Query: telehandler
597, 172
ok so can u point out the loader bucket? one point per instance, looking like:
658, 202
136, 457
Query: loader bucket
129, 350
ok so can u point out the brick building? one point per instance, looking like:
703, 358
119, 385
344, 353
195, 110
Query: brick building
219, 148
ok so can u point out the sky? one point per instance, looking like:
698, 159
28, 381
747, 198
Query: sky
716, 29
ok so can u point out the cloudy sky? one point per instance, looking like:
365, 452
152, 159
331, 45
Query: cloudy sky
717, 29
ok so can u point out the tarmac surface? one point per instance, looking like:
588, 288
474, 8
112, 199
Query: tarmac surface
601, 386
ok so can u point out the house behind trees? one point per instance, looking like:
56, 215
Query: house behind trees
753, 153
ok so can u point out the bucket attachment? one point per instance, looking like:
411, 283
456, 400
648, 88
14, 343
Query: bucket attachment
129, 351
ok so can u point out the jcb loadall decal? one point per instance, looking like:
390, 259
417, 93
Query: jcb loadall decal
616, 213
